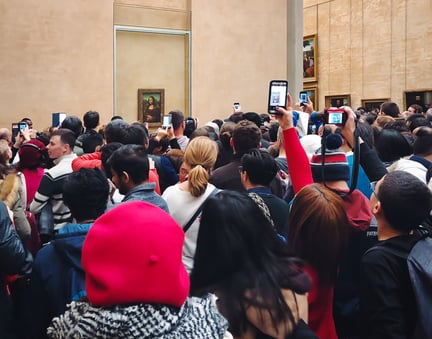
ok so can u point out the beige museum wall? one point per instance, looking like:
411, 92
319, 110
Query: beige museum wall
58, 56
236, 50
371, 49
55, 56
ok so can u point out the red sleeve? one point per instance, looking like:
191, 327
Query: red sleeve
91, 160
154, 177
298, 162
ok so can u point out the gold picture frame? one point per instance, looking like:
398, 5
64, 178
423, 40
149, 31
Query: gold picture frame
310, 53
151, 106
338, 100
312, 93
373, 104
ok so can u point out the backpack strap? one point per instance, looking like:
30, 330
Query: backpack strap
198, 211
263, 206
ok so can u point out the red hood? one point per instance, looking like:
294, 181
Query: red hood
358, 210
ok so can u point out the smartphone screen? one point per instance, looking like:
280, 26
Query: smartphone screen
57, 118
278, 90
236, 105
166, 123
22, 126
335, 118
303, 97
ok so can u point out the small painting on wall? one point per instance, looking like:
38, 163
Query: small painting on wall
151, 106
310, 58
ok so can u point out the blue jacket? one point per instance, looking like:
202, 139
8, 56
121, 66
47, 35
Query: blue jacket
146, 192
58, 276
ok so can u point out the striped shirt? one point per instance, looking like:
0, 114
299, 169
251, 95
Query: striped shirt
51, 191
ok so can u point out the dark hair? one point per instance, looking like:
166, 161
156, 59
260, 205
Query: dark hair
131, 159
405, 200
390, 108
28, 121
116, 117
136, 134
91, 141
66, 136
391, 145
366, 132
273, 131
249, 263
225, 133
418, 109
417, 120
91, 119
115, 131
423, 142
106, 151
190, 126
218, 122
177, 118
246, 136
85, 192
318, 230
254, 117
205, 131
260, 166
73, 123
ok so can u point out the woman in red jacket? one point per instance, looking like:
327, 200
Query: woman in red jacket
318, 229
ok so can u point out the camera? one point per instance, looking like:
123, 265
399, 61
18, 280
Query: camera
278, 90
335, 116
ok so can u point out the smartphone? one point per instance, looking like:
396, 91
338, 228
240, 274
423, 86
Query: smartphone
278, 90
303, 98
15, 129
57, 118
166, 122
335, 116
236, 106
22, 126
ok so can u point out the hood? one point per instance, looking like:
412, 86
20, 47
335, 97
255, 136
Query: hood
197, 318
68, 243
358, 210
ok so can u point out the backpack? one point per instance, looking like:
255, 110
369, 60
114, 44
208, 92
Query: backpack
420, 272
419, 263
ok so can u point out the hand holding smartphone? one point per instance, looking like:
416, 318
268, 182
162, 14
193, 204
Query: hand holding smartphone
278, 90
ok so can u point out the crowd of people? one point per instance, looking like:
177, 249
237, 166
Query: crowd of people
250, 226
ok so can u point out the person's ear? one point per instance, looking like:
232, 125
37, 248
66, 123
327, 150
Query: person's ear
125, 177
377, 208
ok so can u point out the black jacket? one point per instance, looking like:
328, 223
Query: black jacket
14, 259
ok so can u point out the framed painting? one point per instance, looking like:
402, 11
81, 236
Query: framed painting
373, 104
338, 100
151, 106
310, 58
312, 93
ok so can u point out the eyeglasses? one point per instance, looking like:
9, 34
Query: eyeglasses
373, 188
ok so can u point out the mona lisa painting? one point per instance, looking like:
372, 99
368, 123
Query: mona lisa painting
151, 106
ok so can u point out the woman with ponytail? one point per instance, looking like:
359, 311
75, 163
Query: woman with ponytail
186, 198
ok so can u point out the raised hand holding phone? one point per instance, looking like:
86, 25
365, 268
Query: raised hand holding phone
285, 114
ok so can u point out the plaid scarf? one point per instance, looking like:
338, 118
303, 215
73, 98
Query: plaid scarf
197, 318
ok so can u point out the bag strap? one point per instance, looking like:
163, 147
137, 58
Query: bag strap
263, 206
198, 211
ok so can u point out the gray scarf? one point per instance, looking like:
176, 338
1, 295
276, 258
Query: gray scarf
197, 318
